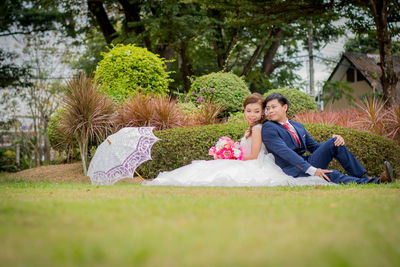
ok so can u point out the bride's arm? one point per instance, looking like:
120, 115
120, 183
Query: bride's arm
256, 142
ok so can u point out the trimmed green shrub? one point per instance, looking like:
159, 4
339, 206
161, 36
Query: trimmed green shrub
299, 101
8, 160
60, 142
55, 137
180, 146
127, 69
221, 87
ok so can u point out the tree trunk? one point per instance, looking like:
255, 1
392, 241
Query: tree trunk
166, 52
83, 150
98, 11
253, 59
186, 66
380, 10
268, 61
229, 49
132, 15
46, 141
218, 42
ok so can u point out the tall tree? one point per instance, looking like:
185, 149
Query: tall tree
383, 17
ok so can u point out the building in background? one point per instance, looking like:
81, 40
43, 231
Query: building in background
361, 72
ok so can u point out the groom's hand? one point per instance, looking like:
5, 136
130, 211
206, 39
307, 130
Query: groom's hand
321, 173
339, 140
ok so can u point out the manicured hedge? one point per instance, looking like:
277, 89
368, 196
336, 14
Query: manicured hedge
180, 146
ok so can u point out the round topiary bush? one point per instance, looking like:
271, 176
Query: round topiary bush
180, 146
224, 88
126, 69
58, 141
299, 101
55, 137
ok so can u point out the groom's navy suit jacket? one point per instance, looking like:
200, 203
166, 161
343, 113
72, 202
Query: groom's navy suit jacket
288, 155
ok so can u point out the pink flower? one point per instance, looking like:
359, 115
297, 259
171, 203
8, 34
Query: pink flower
193, 92
199, 99
228, 153
202, 89
226, 149
212, 151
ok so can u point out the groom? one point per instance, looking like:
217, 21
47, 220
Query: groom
288, 140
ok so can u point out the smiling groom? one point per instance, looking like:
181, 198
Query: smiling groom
288, 140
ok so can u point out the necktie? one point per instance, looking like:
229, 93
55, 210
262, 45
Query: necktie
286, 125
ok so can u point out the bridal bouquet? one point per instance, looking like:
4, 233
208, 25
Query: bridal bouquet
226, 149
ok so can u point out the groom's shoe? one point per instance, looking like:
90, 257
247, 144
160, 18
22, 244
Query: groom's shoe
387, 174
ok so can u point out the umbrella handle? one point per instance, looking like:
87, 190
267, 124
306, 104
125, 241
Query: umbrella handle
139, 175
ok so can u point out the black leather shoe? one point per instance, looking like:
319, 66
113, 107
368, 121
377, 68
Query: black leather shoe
387, 175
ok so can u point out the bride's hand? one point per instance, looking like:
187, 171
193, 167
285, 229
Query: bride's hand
321, 173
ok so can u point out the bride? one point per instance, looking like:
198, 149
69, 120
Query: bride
258, 167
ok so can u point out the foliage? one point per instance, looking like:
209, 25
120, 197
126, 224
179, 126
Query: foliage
89, 115
369, 115
135, 111
335, 90
392, 122
58, 140
189, 108
343, 118
226, 89
371, 150
180, 146
8, 162
160, 112
167, 113
208, 112
372, 114
380, 19
299, 101
192, 143
127, 69
237, 118
368, 43
10, 73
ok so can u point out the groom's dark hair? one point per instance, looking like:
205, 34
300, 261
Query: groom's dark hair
281, 99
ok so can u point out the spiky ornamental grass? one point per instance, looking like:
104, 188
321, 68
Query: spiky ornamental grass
392, 120
371, 116
208, 112
89, 115
136, 111
167, 113
158, 111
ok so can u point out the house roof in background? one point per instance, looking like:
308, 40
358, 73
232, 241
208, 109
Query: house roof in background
368, 65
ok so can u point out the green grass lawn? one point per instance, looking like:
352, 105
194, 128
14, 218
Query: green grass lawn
72, 224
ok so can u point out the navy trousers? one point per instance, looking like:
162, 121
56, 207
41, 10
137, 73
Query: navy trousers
321, 158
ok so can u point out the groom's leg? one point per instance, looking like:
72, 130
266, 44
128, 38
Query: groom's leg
340, 178
321, 158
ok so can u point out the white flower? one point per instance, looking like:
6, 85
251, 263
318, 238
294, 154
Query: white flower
236, 152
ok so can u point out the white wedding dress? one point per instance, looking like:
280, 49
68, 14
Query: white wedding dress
230, 173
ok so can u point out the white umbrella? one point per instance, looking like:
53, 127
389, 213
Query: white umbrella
120, 154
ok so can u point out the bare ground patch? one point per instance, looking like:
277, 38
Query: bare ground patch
59, 173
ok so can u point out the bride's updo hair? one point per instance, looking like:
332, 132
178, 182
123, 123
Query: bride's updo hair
253, 99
